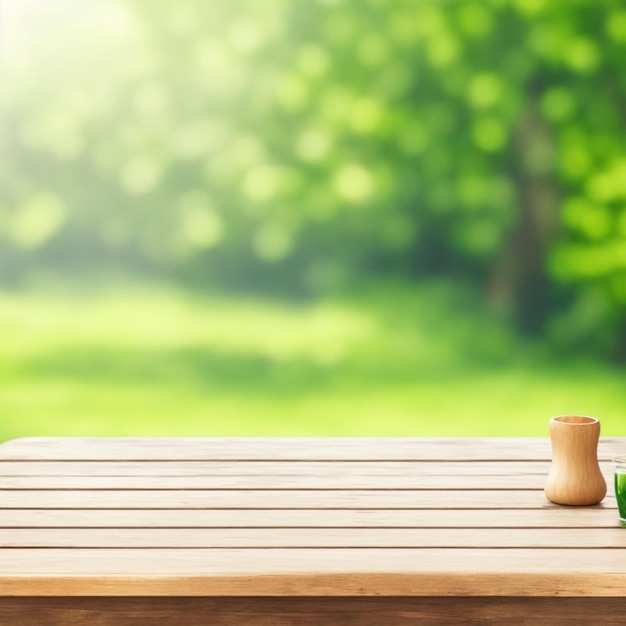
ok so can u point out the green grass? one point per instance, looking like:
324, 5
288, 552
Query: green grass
392, 360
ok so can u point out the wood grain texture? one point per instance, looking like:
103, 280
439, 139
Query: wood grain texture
311, 537
272, 449
289, 449
260, 481
312, 611
315, 571
398, 611
462, 479
552, 517
452, 586
202, 518
390, 499
327, 469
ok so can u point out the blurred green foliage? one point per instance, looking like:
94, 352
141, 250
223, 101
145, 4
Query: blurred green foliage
300, 145
381, 360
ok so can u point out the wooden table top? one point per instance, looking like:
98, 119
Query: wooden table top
299, 517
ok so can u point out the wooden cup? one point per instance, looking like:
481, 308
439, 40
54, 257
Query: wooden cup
575, 477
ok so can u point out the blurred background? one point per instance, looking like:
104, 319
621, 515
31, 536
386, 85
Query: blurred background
311, 217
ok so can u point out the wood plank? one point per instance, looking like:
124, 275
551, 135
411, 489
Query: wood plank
434, 554
314, 572
403, 611
156, 562
291, 448
264, 481
272, 468
251, 475
556, 517
449, 499
273, 449
279, 475
315, 538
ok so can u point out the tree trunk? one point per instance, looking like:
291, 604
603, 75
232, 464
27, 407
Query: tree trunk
520, 280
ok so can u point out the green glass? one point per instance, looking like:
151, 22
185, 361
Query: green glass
620, 487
